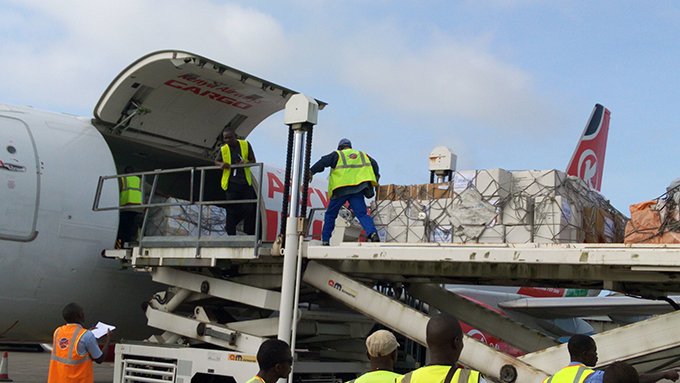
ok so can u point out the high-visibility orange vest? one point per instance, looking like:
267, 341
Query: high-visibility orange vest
66, 366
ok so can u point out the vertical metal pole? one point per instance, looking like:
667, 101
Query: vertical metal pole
291, 250
258, 220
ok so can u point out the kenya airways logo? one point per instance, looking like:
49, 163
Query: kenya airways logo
63, 343
587, 168
353, 156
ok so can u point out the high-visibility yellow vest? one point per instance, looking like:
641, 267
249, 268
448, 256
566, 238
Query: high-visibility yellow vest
130, 191
377, 376
353, 167
256, 379
437, 374
226, 157
575, 373
66, 366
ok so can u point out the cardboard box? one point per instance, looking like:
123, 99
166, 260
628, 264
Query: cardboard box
557, 210
393, 192
494, 183
518, 210
518, 233
389, 212
539, 182
402, 234
557, 234
599, 226
493, 234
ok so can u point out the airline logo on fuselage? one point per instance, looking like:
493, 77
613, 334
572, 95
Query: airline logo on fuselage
587, 168
213, 90
345, 290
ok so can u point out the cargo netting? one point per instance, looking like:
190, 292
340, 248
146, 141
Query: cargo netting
498, 206
183, 220
656, 221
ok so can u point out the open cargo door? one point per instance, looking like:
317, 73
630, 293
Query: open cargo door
183, 101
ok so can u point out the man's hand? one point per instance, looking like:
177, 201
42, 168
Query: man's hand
222, 165
671, 375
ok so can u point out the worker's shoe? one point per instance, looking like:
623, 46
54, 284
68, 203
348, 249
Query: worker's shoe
374, 237
325, 244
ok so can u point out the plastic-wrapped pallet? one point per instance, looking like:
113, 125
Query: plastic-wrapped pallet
183, 220
492, 206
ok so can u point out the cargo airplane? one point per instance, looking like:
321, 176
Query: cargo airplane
166, 110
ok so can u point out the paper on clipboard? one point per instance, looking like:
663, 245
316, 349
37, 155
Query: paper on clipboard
101, 328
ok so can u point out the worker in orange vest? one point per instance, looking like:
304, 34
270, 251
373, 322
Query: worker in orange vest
74, 349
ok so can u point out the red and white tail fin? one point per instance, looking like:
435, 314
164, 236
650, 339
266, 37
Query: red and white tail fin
587, 162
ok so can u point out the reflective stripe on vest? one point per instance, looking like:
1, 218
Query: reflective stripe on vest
226, 157
377, 376
65, 363
353, 167
424, 375
571, 374
130, 191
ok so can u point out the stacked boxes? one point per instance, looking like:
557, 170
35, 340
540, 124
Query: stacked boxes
496, 206
182, 220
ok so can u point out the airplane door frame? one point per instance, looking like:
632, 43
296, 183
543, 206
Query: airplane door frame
11, 156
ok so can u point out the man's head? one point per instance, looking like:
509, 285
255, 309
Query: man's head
229, 136
381, 349
582, 348
73, 313
344, 144
620, 372
444, 338
129, 169
274, 357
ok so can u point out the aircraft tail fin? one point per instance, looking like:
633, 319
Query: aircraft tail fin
587, 162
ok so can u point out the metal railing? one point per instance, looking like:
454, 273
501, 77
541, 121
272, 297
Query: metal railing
192, 201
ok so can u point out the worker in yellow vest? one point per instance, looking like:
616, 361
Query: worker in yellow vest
130, 195
583, 355
444, 338
74, 349
353, 176
381, 350
275, 361
237, 183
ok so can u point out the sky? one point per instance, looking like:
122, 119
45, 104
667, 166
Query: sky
503, 83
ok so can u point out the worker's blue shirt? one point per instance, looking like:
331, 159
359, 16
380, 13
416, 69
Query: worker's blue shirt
88, 343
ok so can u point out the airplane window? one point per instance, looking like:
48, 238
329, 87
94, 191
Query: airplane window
11, 149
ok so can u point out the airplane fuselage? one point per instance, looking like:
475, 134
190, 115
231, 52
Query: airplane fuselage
50, 239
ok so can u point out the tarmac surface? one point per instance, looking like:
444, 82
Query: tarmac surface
33, 367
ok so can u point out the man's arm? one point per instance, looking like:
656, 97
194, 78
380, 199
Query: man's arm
219, 160
329, 160
251, 154
656, 376
105, 348
89, 343
376, 168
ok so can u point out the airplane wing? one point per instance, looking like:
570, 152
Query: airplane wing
182, 100
548, 308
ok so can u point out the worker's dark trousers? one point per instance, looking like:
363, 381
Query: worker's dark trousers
238, 212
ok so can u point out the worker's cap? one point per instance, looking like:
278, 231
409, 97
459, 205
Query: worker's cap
344, 142
381, 343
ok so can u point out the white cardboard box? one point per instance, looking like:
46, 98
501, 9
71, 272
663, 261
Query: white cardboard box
494, 183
